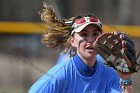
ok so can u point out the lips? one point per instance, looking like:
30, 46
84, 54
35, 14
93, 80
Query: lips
89, 48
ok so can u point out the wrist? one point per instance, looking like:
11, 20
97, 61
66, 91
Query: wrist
126, 82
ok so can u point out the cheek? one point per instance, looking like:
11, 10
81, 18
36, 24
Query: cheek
79, 42
81, 45
82, 41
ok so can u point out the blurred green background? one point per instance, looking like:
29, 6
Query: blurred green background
23, 59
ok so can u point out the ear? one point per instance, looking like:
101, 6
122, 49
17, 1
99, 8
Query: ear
72, 42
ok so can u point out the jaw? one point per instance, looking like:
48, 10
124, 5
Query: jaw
88, 58
87, 54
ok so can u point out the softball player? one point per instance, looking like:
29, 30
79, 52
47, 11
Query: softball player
84, 72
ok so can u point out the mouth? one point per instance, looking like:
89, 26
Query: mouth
89, 48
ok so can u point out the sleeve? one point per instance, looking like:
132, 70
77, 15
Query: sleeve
115, 85
47, 85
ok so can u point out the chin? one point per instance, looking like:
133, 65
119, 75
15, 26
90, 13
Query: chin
88, 55
91, 55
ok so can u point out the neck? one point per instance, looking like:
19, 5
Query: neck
90, 62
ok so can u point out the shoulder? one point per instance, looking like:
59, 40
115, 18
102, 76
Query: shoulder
60, 68
52, 80
59, 71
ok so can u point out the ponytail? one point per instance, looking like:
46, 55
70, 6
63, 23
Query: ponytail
57, 31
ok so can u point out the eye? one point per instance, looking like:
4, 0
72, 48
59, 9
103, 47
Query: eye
83, 34
95, 34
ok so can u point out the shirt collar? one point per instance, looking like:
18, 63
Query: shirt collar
82, 67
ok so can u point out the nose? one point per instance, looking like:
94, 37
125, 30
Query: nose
90, 39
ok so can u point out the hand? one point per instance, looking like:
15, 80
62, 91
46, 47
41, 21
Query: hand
118, 51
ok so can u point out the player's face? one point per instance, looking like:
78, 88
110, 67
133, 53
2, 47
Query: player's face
83, 41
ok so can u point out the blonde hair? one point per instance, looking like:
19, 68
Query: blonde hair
57, 31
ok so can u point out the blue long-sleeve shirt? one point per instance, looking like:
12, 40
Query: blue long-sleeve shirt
76, 77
